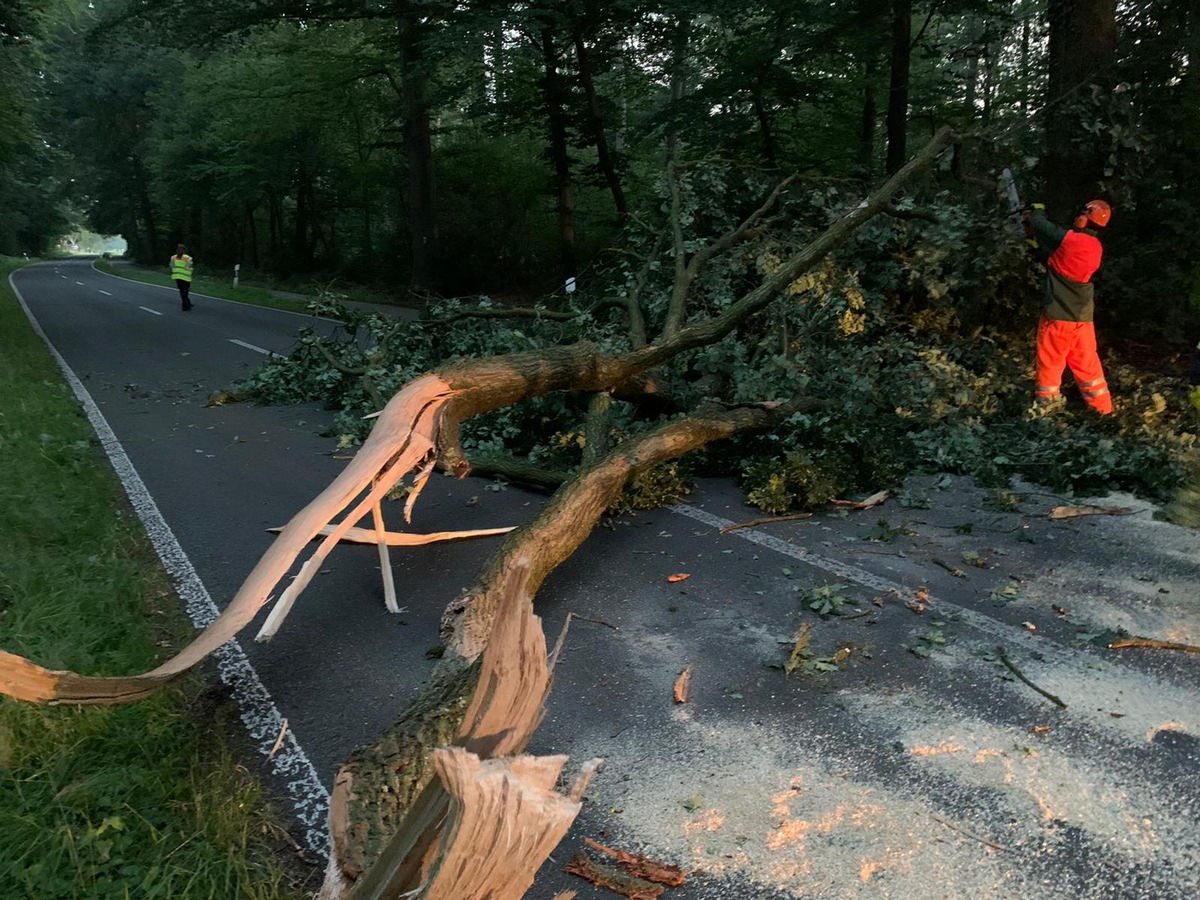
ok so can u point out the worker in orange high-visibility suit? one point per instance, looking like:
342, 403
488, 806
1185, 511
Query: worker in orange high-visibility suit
1066, 335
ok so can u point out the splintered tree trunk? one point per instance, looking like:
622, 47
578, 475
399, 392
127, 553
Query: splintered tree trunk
389, 784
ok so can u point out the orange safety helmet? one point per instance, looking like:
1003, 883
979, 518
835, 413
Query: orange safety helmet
1097, 212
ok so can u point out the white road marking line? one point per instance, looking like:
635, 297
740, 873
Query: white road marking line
149, 310
251, 347
994, 628
105, 293
259, 713
80, 283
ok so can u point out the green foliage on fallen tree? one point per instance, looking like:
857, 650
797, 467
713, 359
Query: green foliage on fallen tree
917, 338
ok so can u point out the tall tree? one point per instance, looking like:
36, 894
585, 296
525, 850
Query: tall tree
1082, 52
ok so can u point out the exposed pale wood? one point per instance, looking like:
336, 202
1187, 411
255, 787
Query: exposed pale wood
505, 818
404, 436
506, 706
402, 539
872, 501
385, 560
682, 685
1072, 512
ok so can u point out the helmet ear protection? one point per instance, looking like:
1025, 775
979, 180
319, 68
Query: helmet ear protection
1095, 212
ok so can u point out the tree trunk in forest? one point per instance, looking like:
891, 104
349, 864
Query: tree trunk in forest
150, 239
300, 256
596, 124
418, 151
1083, 48
870, 115
897, 109
765, 129
252, 230
559, 154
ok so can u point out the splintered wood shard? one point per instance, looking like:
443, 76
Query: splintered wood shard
484, 824
385, 561
505, 818
403, 440
403, 539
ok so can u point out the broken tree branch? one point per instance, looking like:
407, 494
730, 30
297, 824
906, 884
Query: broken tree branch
1151, 644
1012, 667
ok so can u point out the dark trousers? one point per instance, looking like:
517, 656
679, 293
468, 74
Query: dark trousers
184, 287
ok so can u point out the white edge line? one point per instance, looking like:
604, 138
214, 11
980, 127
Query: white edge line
149, 310
259, 713
163, 287
251, 347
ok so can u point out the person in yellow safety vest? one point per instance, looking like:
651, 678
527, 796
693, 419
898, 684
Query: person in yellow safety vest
181, 273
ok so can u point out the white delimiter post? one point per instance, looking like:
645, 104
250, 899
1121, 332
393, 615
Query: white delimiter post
236, 269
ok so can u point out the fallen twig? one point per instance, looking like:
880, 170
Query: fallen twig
278, 741
1072, 512
594, 621
682, 683
969, 834
1152, 644
613, 879
768, 520
874, 500
1012, 667
640, 866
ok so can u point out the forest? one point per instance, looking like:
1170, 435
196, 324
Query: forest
649, 241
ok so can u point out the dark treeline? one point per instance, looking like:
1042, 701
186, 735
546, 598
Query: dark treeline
459, 145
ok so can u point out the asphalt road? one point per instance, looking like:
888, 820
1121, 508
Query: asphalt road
919, 767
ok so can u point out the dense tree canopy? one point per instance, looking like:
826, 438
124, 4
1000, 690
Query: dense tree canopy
499, 146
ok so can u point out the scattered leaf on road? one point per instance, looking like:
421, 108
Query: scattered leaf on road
682, 683
679, 576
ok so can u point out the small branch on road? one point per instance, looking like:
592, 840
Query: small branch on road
572, 616
969, 834
1152, 644
769, 520
278, 741
1012, 667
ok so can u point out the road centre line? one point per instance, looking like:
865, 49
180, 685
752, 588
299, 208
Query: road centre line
149, 310
80, 283
251, 347
105, 293
994, 628
261, 716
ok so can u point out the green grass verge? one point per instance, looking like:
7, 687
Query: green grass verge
133, 801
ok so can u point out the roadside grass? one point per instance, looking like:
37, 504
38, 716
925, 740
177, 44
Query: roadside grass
251, 290
138, 801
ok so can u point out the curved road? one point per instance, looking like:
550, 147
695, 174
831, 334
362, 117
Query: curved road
922, 768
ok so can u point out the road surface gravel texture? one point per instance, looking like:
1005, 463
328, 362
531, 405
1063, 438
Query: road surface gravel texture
918, 766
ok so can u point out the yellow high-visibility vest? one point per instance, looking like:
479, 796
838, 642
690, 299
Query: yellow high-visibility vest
181, 268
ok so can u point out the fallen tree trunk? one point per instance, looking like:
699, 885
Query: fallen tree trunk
379, 783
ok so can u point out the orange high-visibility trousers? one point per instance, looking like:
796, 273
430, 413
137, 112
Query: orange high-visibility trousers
1071, 344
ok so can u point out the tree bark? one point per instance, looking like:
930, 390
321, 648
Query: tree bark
1083, 46
897, 111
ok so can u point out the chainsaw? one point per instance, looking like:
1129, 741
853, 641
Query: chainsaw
1016, 219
